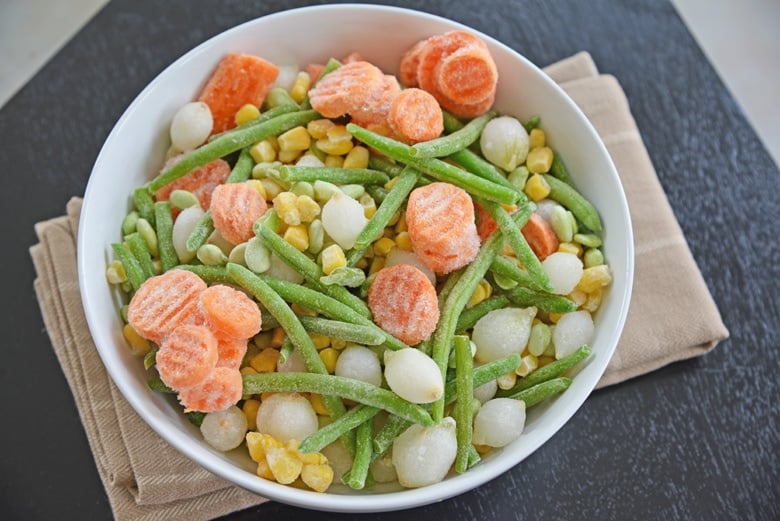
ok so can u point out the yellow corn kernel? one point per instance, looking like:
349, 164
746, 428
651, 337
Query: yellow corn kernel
299, 310
300, 86
537, 188
377, 264
271, 187
594, 277
383, 246
286, 208
357, 158
337, 148
401, 226
317, 405
265, 360
115, 274
308, 209
391, 183
481, 292
594, 300
249, 408
536, 138
263, 151
368, 204
258, 443
334, 161
337, 343
329, 357
139, 346
318, 128
297, 139
507, 381
319, 341
554, 317
317, 477
403, 241
263, 339
246, 114
539, 160
332, 257
483, 449
528, 363
247, 370
570, 247
298, 236
285, 464
362, 263
395, 218
257, 186
264, 470
278, 337
578, 297
289, 156
292, 444
265, 395
313, 458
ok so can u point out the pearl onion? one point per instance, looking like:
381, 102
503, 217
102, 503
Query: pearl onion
499, 422
398, 256
502, 332
572, 330
287, 416
504, 142
564, 271
185, 223
359, 363
224, 430
343, 219
423, 455
413, 375
191, 126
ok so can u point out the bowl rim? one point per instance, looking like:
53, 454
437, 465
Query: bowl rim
398, 500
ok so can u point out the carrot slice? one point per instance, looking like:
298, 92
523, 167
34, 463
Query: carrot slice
485, 223
467, 76
230, 312
231, 351
416, 116
347, 88
186, 356
164, 302
436, 49
407, 70
377, 107
440, 221
404, 303
314, 70
467, 111
234, 208
239, 79
222, 388
201, 182
540, 236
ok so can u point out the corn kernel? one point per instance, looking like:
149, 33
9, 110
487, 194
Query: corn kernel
404, 241
594, 300
257, 186
377, 264
308, 209
318, 128
483, 449
264, 470
481, 292
336, 148
337, 343
298, 236
285, 465
300, 86
317, 477
277, 339
247, 370
539, 160
570, 247
263, 339
313, 458
528, 363
271, 187
507, 381
594, 277
249, 408
578, 297
395, 218
265, 360
139, 346
357, 158
319, 341
286, 208
297, 139
246, 114
383, 246
401, 226
537, 188
362, 263
536, 138
554, 317
368, 204
258, 443
334, 161
317, 405
391, 183
332, 257
329, 357
263, 152
289, 156
115, 274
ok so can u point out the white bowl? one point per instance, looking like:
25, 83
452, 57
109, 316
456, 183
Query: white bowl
133, 154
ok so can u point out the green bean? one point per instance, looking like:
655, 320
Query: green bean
140, 251
451, 123
358, 474
385, 165
264, 116
464, 385
209, 274
200, 233
334, 430
449, 284
285, 350
474, 456
150, 358
377, 193
514, 236
157, 385
230, 142
359, 334
330, 385
392, 428
454, 141
164, 219
558, 169
363, 176
144, 203
243, 167
392, 203
547, 302
470, 316
574, 201
436, 168
130, 222
482, 374
542, 391
354, 255
481, 167
532, 123
277, 97
548, 372
507, 267
135, 273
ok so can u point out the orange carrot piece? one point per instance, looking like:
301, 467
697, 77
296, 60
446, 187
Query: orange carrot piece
234, 209
540, 236
436, 49
440, 221
222, 388
186, 356
314, 70
467, 76
407, 71
354, 56
416, 116
229, 312
485, 223
239, 79
164, 302
467, 111
201, 182
231, 351
404, 303
377, 107
346, 89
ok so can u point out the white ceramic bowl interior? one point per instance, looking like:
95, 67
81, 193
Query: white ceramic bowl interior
134, 151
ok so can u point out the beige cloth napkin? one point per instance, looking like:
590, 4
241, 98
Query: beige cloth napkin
672, 317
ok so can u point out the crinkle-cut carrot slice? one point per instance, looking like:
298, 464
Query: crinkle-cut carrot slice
186, 356
404, 303
540, 236
346, 89
407, 70
435, 50
221, 388
485, 223
467, 76
164, 302
440, 221
314, 70
239, 79
377, 107
201, 182
467, 111
416, 115
234, 209
230, 312
231, 351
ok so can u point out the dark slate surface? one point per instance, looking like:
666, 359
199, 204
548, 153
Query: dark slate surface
695, 440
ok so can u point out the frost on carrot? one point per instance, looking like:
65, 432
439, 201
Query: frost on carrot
239, 79
186, 356
230, 312
540, 236
346, 89
201, 182
222, 388
415, 115
376, 109
234, 208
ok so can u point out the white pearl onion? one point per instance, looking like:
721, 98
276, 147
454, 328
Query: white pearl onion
287, 416
224, 430
359, 363
413, 375
191, 126
398, 256
502, 332
423, 455
564, 271
572, 330
499, 422
343, 219
182, 228
504, 142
